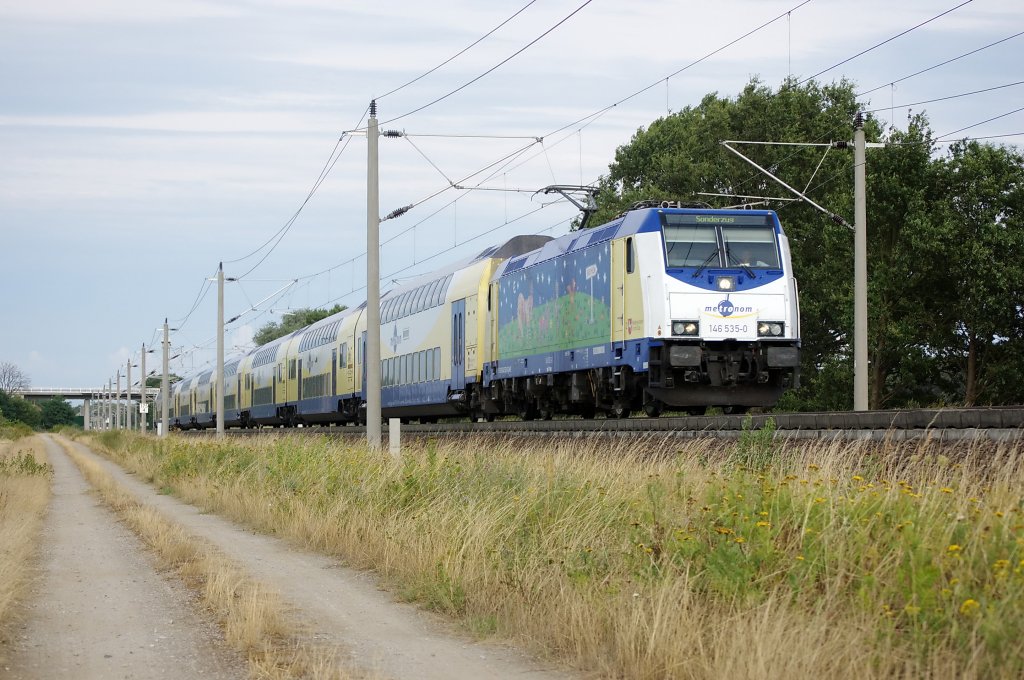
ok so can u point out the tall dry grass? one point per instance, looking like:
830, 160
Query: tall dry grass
25, 478
253, 617
660, 558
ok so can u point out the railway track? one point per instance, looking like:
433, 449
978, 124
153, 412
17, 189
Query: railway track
998, 423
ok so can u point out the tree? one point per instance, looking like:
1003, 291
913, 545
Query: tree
981, 193
158, 381
12, 378
19, 410
293, 321
680, 156
56, 412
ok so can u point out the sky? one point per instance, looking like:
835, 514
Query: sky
142, 142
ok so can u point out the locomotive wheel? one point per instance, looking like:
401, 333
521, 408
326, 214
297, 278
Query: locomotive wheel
618, 410
696, 410
527, 412
588, 412
653, 408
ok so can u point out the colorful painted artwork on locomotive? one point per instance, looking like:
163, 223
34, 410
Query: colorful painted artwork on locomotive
560, 304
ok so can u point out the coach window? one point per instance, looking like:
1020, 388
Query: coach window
421, 293
630, 264
432, 294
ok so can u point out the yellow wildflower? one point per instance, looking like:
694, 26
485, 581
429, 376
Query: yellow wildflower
970, 607
723, 530
858, 478
819, 499
800, 557
953, 548
764, 524
911, 610
946, 489
739, 539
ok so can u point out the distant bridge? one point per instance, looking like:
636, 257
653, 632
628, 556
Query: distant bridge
102, 404
85, 393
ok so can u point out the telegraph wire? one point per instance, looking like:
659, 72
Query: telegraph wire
458, 54
887, 40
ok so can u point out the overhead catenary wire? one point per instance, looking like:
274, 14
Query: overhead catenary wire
590, 117
948, 97
491, 69
459, 53
658, 82
943, 63
886, 41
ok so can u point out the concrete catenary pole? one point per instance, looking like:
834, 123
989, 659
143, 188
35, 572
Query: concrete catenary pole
372, 358
860, 279
219, 386
117, 402
165, 386
142, 390
107, 413
128, 422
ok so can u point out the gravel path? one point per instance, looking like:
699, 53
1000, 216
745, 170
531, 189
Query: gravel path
99, 609
346, 607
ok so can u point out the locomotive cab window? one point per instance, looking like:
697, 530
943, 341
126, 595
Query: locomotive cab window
751, 247
690, 245
630, 260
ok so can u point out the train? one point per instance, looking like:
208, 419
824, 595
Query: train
665, 308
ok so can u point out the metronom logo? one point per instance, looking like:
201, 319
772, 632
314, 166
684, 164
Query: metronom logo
727, 308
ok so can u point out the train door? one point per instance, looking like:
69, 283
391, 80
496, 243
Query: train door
300, 381
471, 338
627, 300
362, 355
334, 371
458, 336
491, 328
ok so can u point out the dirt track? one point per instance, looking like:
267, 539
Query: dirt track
99, 609
82, 587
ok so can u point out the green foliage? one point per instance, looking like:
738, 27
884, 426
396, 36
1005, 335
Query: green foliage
756, 449
293, 321
24, 465
56, 412
20, 410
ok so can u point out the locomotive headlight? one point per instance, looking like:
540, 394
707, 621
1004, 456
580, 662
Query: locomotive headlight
770, 329
685, 328
726, 283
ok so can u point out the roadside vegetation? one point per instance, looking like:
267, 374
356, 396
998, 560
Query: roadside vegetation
24, 494
253, 618
664, 558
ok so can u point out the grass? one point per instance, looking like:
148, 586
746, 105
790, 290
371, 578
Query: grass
252, 617
663, 558
24, 494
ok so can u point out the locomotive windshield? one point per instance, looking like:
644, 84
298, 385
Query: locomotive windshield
751, 247
720, 241
690, 245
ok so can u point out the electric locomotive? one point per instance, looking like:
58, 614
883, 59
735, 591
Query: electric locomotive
663, 307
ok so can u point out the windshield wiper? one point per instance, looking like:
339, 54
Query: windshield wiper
705, 263
745, 265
